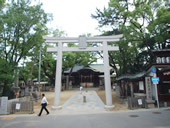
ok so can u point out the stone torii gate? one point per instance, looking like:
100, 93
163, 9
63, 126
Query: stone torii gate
82, 40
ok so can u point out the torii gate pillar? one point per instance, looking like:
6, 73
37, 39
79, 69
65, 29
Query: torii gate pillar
83, 47
58, 77
108, 91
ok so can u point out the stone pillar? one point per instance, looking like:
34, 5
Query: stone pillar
148, 85
108, 91
131, 89
58, 78
148, 89
3, 105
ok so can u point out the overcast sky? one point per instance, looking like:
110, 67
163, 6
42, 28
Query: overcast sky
74, 16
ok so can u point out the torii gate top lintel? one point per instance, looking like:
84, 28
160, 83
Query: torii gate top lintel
77, 39
82, 40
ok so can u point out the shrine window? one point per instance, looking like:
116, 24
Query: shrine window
158, 60
163, 60
168, 59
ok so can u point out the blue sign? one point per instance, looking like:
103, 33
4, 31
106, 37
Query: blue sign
153, 69
155, 79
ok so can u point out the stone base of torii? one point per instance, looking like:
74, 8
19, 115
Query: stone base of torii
82, 40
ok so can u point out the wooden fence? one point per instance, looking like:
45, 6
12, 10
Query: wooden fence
22, 107
136, 102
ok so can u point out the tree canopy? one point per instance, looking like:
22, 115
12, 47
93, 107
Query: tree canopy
22, 25
144, 26
2, 3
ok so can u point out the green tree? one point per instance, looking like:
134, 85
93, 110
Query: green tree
135, 19
159, 27
26, 72
58, 33
23, 26
2, 3
48, 63
6, 78
48, 66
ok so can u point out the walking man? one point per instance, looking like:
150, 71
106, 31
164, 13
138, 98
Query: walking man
44, 103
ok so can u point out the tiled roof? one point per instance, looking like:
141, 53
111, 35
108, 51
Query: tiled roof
131, 76
94, 67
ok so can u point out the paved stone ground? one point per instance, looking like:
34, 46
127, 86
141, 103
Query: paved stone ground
76, 103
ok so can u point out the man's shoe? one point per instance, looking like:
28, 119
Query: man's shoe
48, 113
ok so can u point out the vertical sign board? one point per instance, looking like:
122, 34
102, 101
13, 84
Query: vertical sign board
153, 71
148, 88
3, 105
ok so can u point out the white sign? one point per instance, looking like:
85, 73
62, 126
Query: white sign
140, 101
141, 86
155, 82
18, 106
